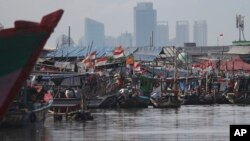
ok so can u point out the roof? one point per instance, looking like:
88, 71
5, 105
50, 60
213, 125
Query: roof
147, 53
151, 53
239, 50
76, 51
129, 50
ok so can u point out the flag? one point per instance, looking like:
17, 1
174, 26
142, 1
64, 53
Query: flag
137, 66
91, 55
101, 61
129, 60
118, 52
87, 63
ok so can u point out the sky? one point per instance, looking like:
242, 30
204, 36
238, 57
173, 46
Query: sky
117, 16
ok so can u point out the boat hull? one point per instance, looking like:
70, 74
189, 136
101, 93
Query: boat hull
166, 102
20, 47
20, 117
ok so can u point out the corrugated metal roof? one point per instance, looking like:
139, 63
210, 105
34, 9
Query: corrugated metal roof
68, 52
77, 52
239, 50
151, 53
129, 50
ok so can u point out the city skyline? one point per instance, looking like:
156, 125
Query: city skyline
145, 18
117, 15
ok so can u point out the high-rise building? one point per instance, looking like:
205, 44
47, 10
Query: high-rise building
200, 33
144, 24
162, 34
125, 40
182, 32
94, 31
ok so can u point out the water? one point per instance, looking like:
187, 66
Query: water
188, 123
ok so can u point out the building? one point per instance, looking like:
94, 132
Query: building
182, 32
125, 40
94, 31
162, 34
110, 42
144, 24
200, 33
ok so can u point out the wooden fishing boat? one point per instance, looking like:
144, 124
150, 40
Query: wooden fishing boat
69, 95
169, 99
20, 47
132, 98
25, 110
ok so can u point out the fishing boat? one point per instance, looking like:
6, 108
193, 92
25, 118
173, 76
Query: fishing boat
29, 107
165, 99
69, 94
132, 97
20, 47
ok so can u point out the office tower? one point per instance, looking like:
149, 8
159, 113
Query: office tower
182, 33
200, 33
144, 24
94, 31
162, 34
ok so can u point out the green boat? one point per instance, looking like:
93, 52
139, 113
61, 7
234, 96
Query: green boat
20, 48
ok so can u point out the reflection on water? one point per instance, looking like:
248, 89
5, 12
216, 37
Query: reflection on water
206, 123
37, 133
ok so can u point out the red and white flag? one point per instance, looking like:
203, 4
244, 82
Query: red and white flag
137, 66
88, 63
101, 61
91, 55
118, 52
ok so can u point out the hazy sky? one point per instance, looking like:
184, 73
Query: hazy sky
117, 15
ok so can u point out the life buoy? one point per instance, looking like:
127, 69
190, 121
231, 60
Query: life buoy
32, 117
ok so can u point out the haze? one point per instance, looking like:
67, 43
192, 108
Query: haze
117, 15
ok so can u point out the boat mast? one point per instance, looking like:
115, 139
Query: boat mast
175, 67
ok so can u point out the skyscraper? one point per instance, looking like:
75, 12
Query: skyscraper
162, 34
182, 33
94, 31
144, 24
200, 33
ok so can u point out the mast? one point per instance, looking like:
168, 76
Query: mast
69, 36
175, 67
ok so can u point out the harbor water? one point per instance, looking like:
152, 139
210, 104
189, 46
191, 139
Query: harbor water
187, 123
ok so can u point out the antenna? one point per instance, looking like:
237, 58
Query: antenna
69, 37
240, 26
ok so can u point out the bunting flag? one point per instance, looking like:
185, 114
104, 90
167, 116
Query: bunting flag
118, 52
101, 61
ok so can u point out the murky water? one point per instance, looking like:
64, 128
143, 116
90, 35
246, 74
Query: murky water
194, 123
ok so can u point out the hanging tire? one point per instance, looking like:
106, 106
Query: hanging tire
32, 117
